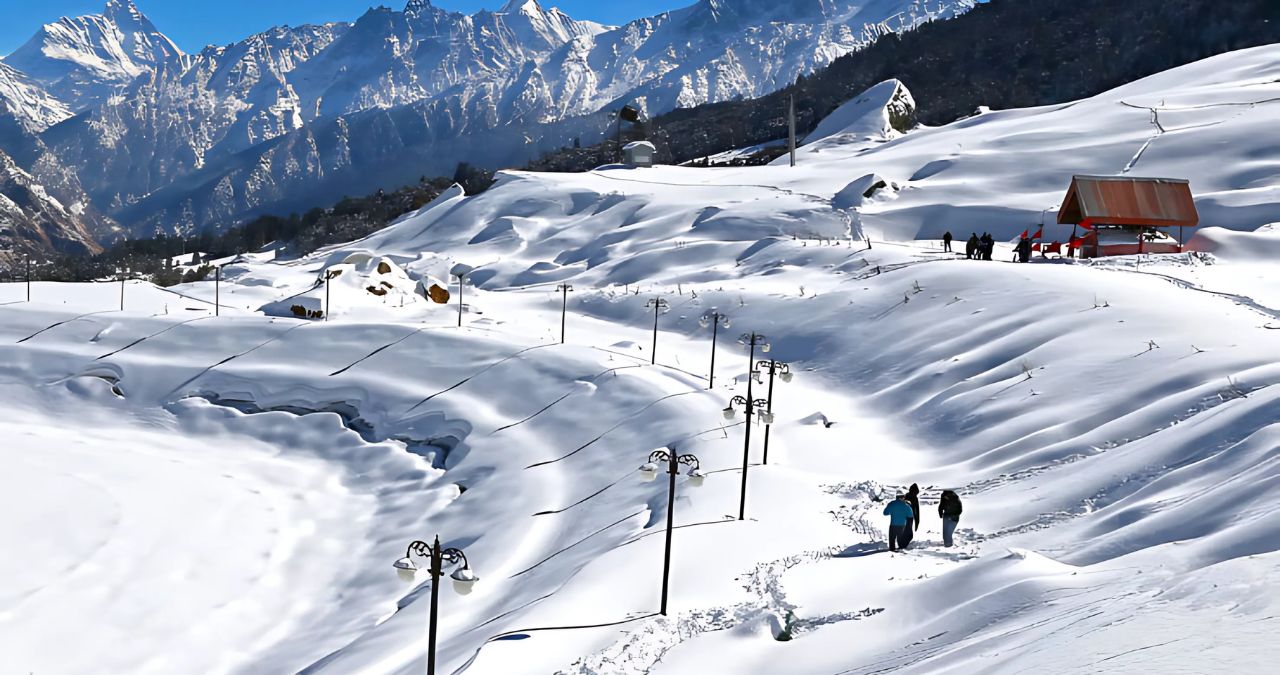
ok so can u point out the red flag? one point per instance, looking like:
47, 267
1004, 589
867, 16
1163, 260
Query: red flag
1035, 246
1039, 233
1076, 242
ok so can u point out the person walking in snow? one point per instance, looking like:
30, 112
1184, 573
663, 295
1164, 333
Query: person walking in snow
946, 241
971, 247
900, 515
988, 246
949, 509
913, 499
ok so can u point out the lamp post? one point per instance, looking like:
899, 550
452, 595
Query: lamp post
28, 277
463, 578
783, 371
715, 320
648, 472
122, 272
750, 405
217, 298
461, 276
658, 304
328, 274
564, 307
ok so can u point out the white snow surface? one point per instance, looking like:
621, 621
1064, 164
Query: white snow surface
232, 491
30, 104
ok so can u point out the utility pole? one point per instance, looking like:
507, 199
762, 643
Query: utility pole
460, 284
122, 278
658, 304
28, 277
791, 128
328, 274
564, 307
217, 282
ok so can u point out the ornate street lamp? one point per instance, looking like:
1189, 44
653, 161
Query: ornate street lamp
463, 579
649, 472
750, 405
783, 371
716, 320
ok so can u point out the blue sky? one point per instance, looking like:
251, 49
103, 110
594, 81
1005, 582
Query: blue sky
196, 23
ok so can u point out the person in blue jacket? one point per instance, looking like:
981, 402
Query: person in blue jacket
900, 518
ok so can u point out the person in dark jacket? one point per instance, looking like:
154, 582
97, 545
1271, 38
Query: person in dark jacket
946, 241
949, 509
912, 498
1024, 250
971, 247
900, 516
988, 246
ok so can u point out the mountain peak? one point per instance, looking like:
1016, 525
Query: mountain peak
416, 6
515, 6
82, 60
122, 11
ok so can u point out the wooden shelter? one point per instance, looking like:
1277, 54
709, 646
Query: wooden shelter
1123, 215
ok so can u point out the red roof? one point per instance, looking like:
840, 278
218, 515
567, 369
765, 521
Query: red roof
1122, 200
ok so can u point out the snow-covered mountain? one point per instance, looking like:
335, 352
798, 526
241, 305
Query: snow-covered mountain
718, 50
82, 60
179, 130
32, 219
28, 102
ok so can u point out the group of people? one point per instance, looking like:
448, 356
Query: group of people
904, 517
977, 248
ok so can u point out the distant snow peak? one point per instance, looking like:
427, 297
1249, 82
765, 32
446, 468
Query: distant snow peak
83, 60
520, 6
416, 6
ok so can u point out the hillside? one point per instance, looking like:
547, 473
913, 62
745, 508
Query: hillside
1004, 54
1110, 425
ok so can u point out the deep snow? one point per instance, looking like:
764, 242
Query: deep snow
232, 490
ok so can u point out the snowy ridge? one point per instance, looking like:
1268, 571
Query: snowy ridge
34, 109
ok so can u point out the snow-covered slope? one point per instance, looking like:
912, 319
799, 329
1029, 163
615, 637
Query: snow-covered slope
82, 60
23, 98
1112, 428
32, 220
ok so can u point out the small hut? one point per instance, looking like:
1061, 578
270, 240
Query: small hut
1122, 215
638, 153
